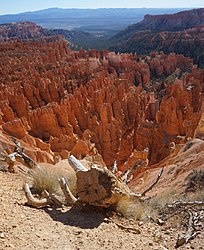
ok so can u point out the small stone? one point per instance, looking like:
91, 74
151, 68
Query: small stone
140, 223
78, 232
106, 220
160, 222
2, 235
38, 235
167, 232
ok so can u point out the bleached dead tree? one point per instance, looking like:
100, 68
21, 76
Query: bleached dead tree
96, 186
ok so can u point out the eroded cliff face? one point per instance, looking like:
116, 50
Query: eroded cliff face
189, 42
21, 30
172, 22
166, 22
120, 106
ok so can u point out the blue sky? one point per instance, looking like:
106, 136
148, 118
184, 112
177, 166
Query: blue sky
16, 6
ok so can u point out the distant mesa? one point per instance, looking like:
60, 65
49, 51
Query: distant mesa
21, 30
32, 31
171, 22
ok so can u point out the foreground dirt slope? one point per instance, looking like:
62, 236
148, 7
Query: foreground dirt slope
22, 227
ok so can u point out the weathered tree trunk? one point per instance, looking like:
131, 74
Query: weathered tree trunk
98, 186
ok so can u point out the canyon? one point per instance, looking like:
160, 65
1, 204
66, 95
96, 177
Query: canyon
115, 106
141, 116
180, 33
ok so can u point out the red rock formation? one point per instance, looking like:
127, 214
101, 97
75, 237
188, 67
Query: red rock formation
85, 103
23, 30
33, 32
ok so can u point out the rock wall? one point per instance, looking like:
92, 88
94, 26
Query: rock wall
189, 42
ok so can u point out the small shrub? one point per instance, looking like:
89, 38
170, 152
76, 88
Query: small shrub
160, 200
47, 179
3, 167
197, 196
147, 209
195, 181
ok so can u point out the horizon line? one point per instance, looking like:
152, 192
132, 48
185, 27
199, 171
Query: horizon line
198, 7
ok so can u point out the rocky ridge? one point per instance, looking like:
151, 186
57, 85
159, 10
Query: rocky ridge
31, 31
171, 22
181, 33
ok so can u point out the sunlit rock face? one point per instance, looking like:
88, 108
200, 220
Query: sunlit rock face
121, 106
173, 22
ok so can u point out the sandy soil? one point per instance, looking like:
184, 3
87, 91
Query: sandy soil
23, 227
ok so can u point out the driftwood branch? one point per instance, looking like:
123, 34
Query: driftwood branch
70, 199
34, 202
76, 164
9, 159
30, 163
192, 208
98, 186
133, 169
186, 203
121, 226
189, 233
158, 177
114, 169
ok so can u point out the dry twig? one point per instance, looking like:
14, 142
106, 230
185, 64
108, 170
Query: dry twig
158, 177
189, 233
186, 203
129, 229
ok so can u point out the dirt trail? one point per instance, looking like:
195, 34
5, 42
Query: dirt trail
22, 227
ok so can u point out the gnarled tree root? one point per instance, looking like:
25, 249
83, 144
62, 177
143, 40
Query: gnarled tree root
34, 202
70, 199
190, 233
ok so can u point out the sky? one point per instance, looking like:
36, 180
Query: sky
17, 6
